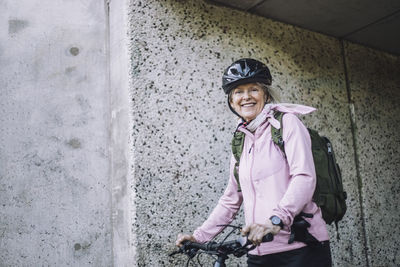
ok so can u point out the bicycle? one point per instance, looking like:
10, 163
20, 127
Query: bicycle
221, 250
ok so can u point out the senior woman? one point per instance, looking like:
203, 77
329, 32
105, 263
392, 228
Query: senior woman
276, 188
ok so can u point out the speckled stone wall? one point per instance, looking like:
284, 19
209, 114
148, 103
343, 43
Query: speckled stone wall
182, 125
375, 90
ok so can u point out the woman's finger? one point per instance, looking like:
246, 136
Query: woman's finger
182, 237
245, 230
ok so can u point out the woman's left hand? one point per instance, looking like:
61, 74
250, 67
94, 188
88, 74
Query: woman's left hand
255, 232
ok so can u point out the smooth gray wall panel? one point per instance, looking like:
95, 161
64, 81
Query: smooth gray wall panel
54, 172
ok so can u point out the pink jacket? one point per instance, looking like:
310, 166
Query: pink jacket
271, 184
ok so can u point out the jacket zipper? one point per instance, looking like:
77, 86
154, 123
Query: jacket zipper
252, 148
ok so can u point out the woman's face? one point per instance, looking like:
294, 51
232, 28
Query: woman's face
248, 100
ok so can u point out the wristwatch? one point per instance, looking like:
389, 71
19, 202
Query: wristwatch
276, 221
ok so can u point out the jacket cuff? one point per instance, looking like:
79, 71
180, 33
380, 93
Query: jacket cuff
200, 237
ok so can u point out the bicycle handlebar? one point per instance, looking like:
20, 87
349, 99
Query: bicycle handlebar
211, 246
237, 247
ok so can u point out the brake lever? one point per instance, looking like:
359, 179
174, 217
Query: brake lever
243, 241
174, 253
181, 249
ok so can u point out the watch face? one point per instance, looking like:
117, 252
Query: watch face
275, 220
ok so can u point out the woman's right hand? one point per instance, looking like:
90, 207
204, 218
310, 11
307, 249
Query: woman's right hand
181, 238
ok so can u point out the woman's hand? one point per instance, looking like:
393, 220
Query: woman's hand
255, 232
181, 238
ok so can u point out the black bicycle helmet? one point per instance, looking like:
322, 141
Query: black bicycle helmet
245, 70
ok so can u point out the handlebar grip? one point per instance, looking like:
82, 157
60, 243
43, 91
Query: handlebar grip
190, 244
268, 238
209, 246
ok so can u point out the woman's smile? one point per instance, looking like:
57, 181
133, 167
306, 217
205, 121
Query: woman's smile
248, 104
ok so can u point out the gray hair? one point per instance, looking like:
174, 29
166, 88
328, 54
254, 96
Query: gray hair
269, 91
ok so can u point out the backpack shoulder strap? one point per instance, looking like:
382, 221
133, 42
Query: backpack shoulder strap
277, 134
237, 149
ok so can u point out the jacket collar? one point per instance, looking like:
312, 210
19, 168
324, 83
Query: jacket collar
268, 115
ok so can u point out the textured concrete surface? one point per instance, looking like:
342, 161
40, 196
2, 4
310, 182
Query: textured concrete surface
54, 176
182, 126
375, 90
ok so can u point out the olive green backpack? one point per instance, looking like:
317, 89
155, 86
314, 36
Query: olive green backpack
329, 194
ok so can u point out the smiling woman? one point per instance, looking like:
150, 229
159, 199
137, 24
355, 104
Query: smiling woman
275, 188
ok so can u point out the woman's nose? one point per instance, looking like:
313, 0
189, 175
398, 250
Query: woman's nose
246, 95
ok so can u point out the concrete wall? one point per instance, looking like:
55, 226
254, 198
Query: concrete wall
374, 79
55, 200
94, 174
182, 126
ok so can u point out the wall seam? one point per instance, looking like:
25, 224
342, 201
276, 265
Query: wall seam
108, 84
256, 5
353, 126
